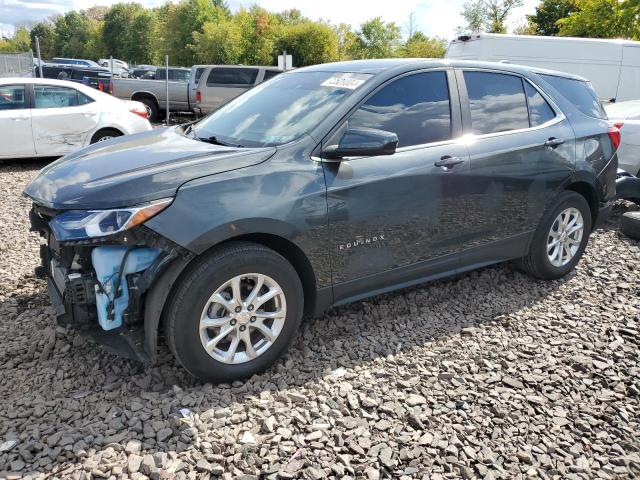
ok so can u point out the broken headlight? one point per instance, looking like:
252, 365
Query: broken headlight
80, 224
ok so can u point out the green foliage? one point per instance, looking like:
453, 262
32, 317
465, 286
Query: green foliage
421, 46
46, 36
545, 20
376, 39
309, 43
489, 15
218, 43
602, 19
72, 34
129, 32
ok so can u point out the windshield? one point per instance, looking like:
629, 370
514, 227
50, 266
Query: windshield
280, 110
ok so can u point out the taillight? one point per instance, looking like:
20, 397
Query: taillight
111, 87
101, 86
140, 111
198, 96
614, 135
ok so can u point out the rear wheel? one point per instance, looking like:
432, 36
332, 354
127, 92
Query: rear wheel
234, 313
106, 134
560, 239
151, 107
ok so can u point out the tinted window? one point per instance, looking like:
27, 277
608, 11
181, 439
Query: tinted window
12, 97
497, 102
579, 93
539, 110
160, 74
232, 76
179, 75
416, 108
280, 110
198, 75
48, 96
270, 74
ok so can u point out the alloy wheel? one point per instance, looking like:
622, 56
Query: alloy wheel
243, 318
565, 237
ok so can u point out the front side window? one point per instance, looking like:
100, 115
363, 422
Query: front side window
280, 110
12, 97
497, 102
232, 76
579, 93
539, 110
49, 96
416, 108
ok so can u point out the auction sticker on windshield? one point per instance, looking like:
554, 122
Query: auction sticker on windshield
343, 81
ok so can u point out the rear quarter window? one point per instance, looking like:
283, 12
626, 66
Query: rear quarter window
232, 76
579, 93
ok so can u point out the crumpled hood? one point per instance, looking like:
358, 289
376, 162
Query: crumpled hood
134, 169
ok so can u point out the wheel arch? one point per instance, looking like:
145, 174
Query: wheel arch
157, 297
103, 129
588, 191
137, 96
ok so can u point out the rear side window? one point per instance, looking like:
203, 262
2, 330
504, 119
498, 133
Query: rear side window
12, 97
179, 75
579, 93
49, 96
232, 76
497, 102
415, 107
539, 110
270, 74
161, 74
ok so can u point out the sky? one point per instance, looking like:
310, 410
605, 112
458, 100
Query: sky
433, 17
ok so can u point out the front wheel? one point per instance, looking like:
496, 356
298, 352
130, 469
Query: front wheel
234, 312
560, 239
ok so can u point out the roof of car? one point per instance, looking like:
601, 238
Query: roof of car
381, 65
44, 81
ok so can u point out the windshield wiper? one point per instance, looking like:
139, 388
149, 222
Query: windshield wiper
215, 141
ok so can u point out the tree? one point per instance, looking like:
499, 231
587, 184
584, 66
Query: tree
308, 42
545, 20
72, 34
602, 19
411, 24
421, 46
376, 39
258, 30
129, 31
46, 36
218, 43
489, 15
346, 40
18, 43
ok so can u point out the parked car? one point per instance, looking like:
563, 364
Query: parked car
626, 116
116, 67
151, 90
143, 71
610, 64
74, 61
322, 186
217, 84
44, 118
95, 77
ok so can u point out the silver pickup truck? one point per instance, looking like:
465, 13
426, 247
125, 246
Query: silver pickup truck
152, 92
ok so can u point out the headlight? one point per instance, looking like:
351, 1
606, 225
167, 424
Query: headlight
79, 224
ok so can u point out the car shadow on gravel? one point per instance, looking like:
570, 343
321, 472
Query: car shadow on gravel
54, 382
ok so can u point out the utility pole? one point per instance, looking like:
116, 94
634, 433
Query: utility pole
166, 82
39, 57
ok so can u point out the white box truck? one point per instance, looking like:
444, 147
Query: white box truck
612, 66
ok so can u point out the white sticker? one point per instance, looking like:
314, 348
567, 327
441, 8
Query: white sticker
343, 82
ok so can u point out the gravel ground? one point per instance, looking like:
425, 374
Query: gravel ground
488, 375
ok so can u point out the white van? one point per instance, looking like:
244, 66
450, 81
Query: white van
613, 66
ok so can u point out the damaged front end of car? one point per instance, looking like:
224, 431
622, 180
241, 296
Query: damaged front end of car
102, 268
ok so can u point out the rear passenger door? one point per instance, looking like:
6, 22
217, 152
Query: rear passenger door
224, 83
402, 216
521, 149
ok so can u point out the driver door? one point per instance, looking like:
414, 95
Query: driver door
399, 218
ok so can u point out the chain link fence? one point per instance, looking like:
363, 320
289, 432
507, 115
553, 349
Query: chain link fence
16, 64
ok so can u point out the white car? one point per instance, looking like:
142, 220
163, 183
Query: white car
41, 117
626, 116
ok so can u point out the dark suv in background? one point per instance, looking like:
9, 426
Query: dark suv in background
320, 187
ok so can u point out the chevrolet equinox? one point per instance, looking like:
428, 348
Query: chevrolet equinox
321, 186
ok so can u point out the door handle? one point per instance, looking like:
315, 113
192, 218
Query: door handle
19, 119
554, 142
448, 161
89, 114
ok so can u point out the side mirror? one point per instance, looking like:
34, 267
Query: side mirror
362, 142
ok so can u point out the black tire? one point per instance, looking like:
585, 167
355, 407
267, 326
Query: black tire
199, 283
105, 134
152, 108
630, 225
537, 262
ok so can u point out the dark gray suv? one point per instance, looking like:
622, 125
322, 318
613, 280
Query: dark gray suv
320, 187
